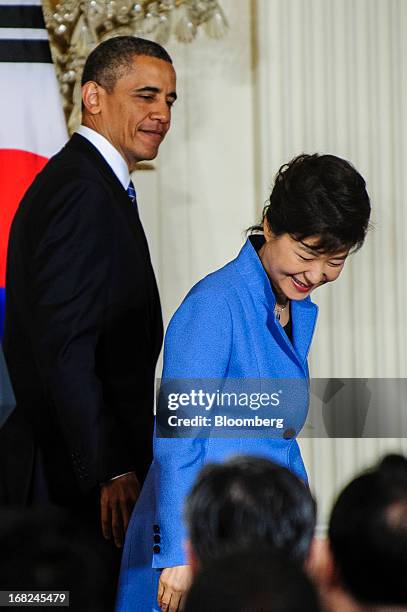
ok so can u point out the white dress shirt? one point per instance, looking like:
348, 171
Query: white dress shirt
108, 152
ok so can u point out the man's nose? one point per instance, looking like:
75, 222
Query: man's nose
161, 112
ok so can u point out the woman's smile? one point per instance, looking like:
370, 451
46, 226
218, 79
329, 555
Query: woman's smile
300, 286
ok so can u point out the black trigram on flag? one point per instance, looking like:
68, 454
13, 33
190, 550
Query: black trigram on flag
32, 126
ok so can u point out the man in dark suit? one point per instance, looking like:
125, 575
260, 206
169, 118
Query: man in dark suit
83, 324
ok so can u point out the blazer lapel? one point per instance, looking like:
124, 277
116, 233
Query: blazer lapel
304, 317
303, 312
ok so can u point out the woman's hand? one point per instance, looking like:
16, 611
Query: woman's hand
173, 584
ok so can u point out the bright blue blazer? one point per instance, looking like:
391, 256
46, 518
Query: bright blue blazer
225, 327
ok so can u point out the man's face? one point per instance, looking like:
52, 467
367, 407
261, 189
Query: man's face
136, 115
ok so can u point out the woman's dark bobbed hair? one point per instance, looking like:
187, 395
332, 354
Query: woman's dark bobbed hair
319, 195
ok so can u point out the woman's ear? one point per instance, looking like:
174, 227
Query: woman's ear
268, 234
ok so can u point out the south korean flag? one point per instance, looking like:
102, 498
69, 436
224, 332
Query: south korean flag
32, 125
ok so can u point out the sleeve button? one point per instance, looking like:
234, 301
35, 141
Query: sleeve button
156, 549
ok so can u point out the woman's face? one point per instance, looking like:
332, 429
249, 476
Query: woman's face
294, 268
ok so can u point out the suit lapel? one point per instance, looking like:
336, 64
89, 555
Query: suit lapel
120, 198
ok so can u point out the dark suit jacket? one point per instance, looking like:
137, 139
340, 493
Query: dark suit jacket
83, 331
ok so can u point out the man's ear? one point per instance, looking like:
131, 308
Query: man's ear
191, 557
320, 563
91, 97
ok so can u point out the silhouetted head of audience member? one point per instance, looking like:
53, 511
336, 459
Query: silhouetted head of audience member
47, 550
368, 536
249, 502
252, 581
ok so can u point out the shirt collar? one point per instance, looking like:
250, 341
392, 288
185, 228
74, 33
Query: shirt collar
108, 152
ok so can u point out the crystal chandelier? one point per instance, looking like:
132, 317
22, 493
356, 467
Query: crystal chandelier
75, 27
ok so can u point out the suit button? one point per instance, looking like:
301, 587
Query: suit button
156, 548
156, 528
157, 539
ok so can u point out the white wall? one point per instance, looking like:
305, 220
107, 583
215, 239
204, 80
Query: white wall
331, 78
200, 199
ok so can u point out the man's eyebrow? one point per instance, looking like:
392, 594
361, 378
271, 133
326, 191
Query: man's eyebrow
155, 90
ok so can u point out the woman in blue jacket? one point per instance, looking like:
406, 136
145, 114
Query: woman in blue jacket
254, 319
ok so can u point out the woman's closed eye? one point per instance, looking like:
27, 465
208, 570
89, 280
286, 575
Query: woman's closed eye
305, 258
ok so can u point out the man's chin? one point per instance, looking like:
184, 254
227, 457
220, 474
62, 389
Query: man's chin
136, 161
146, 155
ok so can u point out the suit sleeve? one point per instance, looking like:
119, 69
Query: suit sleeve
69, 275
198, 345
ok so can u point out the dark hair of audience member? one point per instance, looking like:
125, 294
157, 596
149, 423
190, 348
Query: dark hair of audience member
252, 581
368, 534
47, 550
249, 501
319, 195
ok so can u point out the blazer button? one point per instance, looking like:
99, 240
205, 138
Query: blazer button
156, 528
156, 548
157, 539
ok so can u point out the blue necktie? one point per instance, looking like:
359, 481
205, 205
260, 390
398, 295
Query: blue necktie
131, 192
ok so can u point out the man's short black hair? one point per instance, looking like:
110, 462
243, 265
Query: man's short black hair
110, 60
249, 501
368, 534
252, 582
